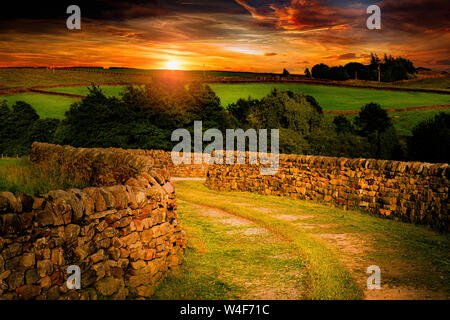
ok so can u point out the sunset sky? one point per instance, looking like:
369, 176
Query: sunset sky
240, 35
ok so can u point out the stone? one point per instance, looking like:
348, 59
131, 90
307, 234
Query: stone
26, 201
71, 233
13, 250
77, 204
108, 286
168, 187
155, 193
147, 235
38, 203
97, 196
9, 203
16, 279
10, 223
98, 256
28, 291
120, 195
109, 198
28, 260
146, 291
44, 268
31, 276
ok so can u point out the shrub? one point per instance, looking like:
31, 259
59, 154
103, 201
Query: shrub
431, 139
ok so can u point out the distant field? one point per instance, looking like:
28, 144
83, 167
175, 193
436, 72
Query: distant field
332, 98
83, 90
47, 106
430, 83
194, 73
26, 78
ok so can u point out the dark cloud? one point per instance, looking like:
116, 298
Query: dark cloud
347, 56
269, 54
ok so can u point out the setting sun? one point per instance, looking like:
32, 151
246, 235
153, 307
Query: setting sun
172, 65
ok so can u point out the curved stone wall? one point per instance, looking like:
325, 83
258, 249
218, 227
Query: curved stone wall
123, 233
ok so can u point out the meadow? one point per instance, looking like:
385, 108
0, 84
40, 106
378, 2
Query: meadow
13, 78
46, 106
51, 106
332, 98
20, 175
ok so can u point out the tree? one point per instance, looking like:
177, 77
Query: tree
43, 130
356, 70
143, 117
16, 127
431, 140
338, 73
372, 118
343, 125
374, 123
307, 73
321, 71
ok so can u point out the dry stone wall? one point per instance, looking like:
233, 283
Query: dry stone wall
163, 160
409, 191
124, 237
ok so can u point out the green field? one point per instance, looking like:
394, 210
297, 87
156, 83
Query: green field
50, 106
107, 90
404, 122
332, 98
46, 106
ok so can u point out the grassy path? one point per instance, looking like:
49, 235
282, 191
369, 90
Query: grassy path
229, 257
279, 248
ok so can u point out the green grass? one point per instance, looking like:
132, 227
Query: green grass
46, 106
429, 83
222, 263
332, 98
408, 255
82, 90
404, 121
20, 175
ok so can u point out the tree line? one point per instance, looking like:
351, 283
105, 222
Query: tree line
387, 70
144, 117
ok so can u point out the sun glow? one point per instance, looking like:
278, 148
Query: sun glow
173, 65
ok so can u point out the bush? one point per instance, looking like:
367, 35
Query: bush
17, 128
431, 140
